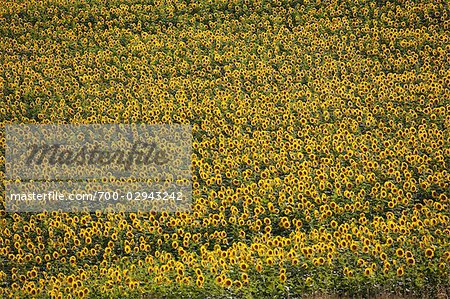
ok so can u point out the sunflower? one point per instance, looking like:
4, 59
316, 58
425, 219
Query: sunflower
410, 261
368, 271
399, 252
429, 253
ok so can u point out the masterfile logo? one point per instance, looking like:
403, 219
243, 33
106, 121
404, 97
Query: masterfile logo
63, 152
141, 153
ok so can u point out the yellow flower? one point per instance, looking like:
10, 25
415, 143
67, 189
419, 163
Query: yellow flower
368, 271
410, 261
228, 282
429, 252
237, 284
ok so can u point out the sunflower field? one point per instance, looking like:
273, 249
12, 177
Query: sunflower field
320, 156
